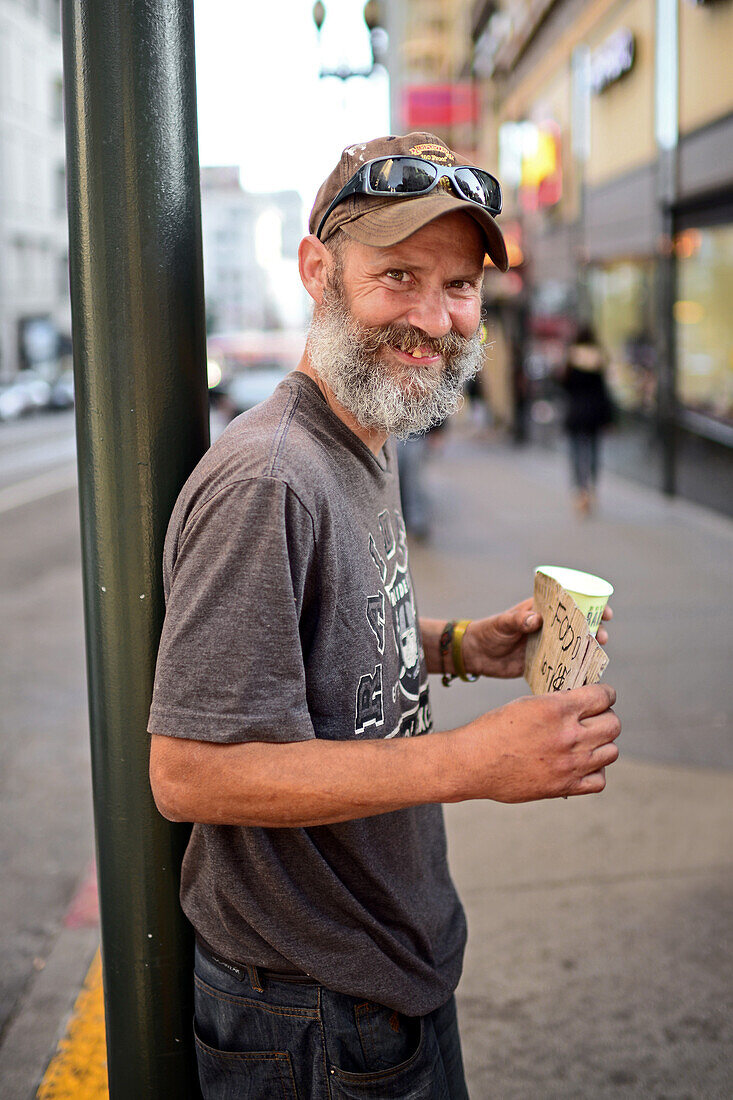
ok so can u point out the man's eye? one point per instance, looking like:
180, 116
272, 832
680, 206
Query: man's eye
399, 276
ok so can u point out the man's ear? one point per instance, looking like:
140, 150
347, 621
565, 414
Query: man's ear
314, 260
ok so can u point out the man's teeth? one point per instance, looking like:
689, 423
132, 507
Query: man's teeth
418, 353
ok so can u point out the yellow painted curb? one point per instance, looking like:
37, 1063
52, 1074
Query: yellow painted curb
78, 1069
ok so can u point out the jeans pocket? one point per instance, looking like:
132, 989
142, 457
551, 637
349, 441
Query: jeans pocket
244, 1075
254, 1047
386, 1038
420, 1076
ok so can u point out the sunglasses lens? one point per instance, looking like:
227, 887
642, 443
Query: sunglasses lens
480, 187
406, 175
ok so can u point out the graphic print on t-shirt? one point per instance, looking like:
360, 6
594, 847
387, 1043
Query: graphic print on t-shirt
410, 710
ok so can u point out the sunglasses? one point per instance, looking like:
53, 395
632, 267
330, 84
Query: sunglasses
405, 177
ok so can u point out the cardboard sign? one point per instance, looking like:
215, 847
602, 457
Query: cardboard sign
564, 654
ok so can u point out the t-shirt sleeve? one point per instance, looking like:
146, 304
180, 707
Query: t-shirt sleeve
230, 664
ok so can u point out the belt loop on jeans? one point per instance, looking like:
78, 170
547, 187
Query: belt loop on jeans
254, 978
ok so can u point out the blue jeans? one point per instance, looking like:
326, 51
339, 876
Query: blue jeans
264, 1038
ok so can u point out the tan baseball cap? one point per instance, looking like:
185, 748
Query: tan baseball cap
381, 222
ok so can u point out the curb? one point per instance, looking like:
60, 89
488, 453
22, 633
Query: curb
31, 1039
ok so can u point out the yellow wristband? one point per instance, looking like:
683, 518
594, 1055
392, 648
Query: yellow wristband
458, 631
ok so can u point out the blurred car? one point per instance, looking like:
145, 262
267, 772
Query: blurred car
62, 391
245, 367
36, 387
13, 401
247, 389
26, 393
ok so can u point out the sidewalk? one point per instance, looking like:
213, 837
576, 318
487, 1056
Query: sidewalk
600, 948
600, 959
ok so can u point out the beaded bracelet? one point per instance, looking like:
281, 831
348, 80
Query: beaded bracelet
451, 640
446, 641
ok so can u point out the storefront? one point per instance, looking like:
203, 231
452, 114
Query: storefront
622, 297
630, 225
703, 340
703, 315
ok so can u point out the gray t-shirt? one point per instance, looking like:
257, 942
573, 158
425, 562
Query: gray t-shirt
290, 615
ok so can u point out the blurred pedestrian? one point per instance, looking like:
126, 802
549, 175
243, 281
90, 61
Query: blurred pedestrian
411, 454
588, 410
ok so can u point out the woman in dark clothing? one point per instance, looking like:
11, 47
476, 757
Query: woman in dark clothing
588, 410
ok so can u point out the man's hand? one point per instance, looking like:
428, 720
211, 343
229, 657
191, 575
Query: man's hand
541, 746
496, 646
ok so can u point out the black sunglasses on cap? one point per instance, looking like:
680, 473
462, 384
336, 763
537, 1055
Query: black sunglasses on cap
405, 177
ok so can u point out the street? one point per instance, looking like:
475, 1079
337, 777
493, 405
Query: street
600, 929
45, 808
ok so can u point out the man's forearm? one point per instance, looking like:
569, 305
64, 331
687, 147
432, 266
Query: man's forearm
301, 783
535, 747
430, 631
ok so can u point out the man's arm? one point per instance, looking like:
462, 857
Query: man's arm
533, 748
494, 646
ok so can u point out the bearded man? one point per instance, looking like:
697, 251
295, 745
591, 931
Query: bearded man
291, 718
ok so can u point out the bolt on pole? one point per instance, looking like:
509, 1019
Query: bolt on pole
142, 424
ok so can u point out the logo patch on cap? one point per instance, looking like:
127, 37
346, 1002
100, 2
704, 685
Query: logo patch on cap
431, 151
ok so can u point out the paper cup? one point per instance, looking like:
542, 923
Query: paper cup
591, 593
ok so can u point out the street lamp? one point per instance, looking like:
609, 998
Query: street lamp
377, 37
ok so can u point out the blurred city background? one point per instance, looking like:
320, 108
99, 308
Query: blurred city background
610, 126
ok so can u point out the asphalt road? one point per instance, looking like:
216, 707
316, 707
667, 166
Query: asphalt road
45, 804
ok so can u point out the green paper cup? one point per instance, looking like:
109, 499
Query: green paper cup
590, 593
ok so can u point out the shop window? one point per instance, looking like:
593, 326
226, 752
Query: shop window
704, 321
622, 305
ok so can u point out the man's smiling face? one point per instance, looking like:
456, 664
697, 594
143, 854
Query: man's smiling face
396, 337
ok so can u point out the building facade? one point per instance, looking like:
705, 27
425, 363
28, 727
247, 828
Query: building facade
35, 317
250, 245
612, 123
431, 89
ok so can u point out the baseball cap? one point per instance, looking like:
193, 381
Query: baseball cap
383, 221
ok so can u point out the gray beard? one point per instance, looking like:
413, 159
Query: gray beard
348, 357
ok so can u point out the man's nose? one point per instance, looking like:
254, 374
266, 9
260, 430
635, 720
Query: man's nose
431, 314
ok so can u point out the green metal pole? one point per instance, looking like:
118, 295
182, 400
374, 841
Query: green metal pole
142, 423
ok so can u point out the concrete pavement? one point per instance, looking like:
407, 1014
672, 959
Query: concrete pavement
599, 960
499, 512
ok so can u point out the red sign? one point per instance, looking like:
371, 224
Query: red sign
431, 106
542, 168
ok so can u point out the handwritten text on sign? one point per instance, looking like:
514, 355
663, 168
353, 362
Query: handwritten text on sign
564, 654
